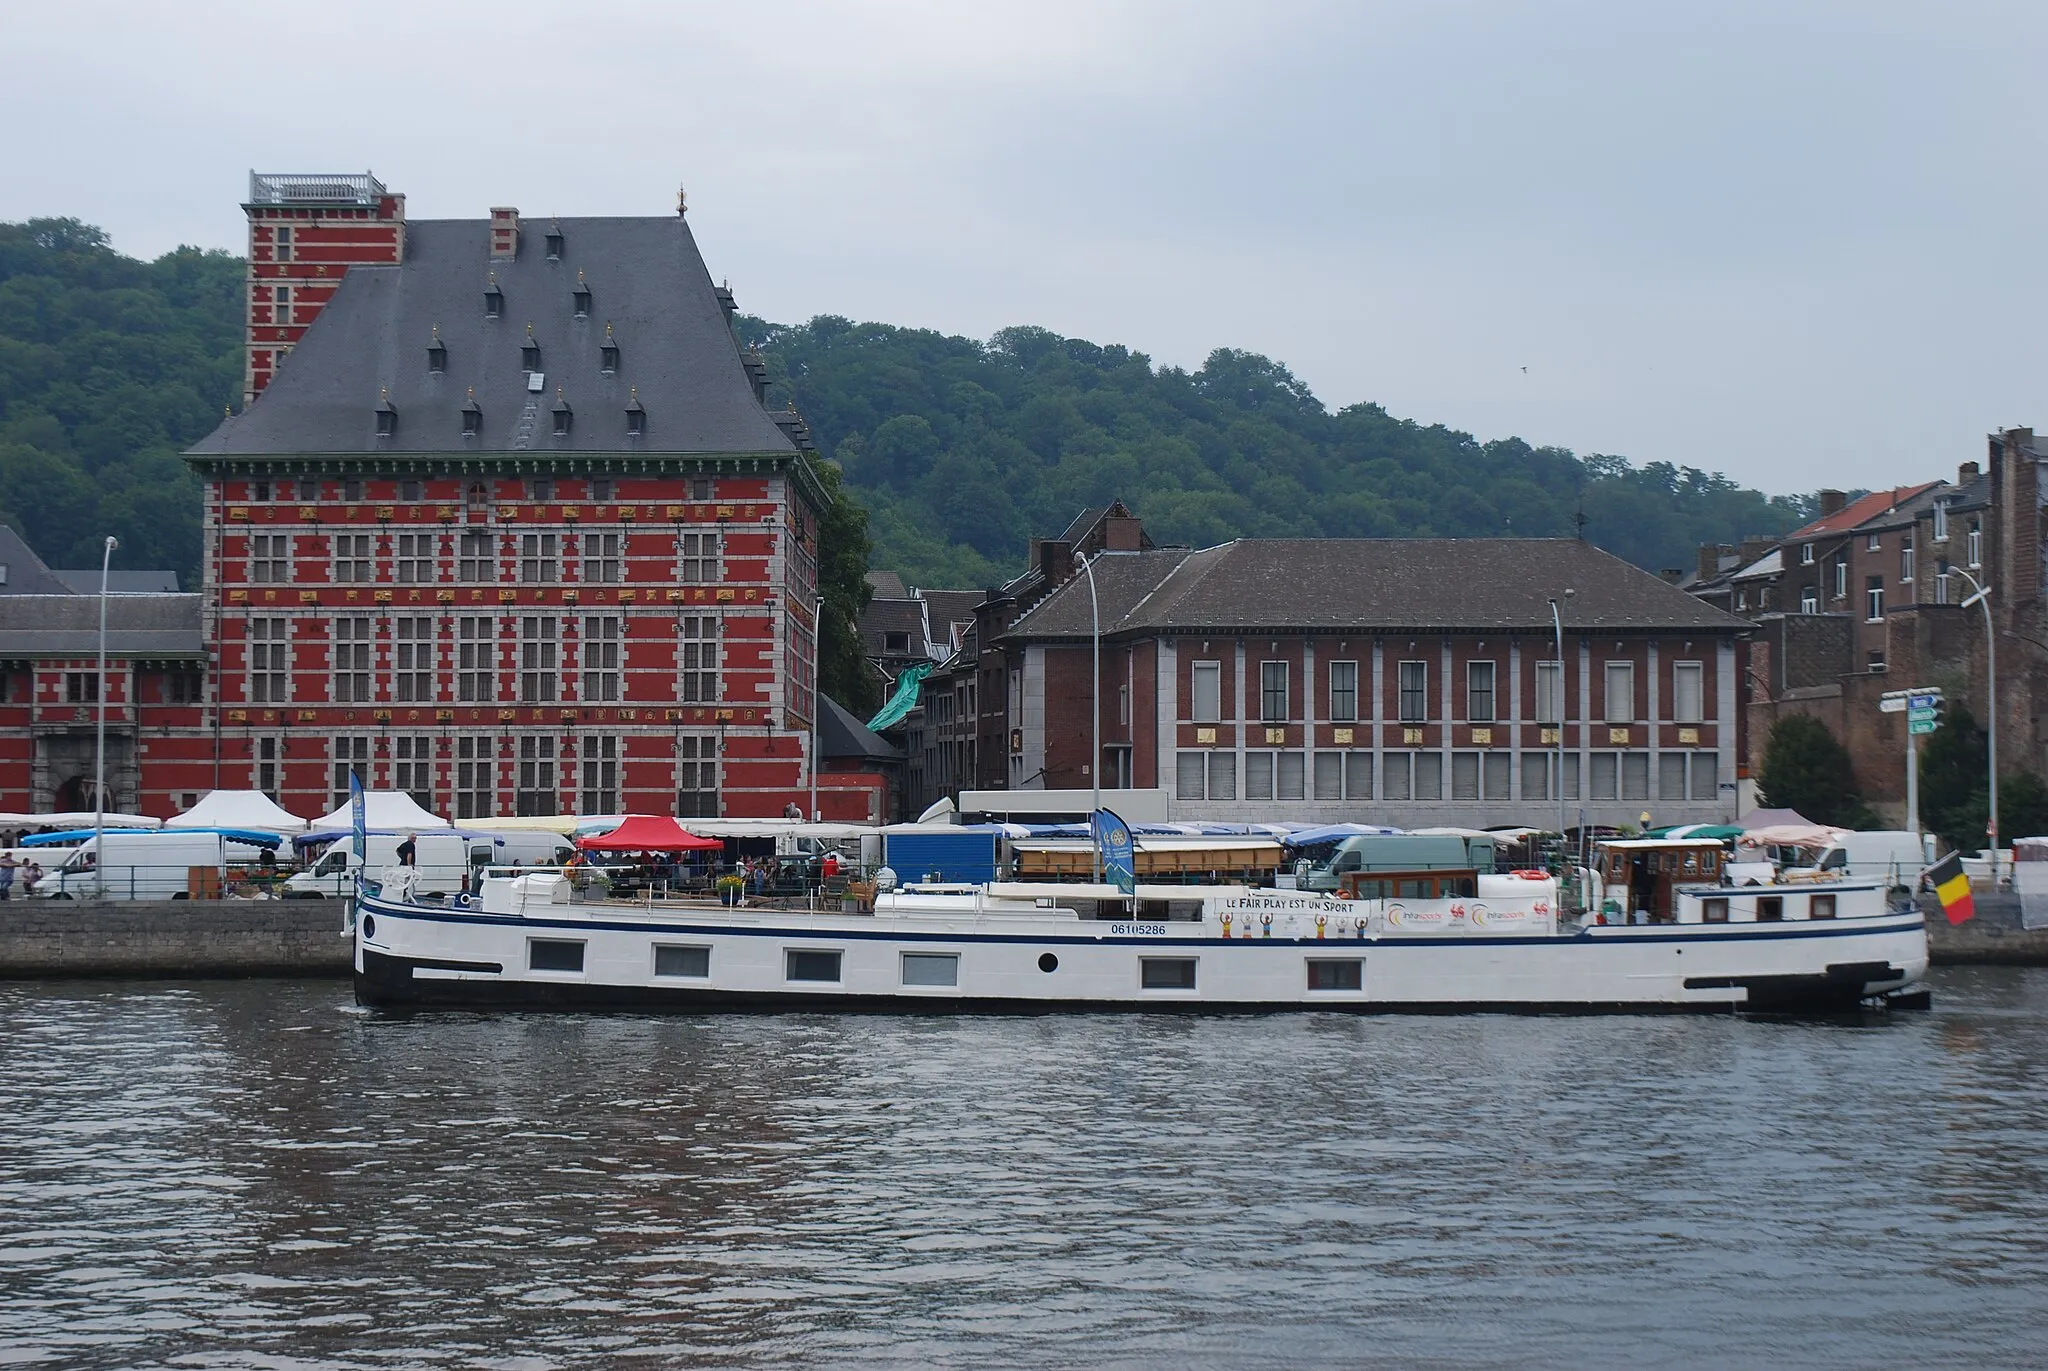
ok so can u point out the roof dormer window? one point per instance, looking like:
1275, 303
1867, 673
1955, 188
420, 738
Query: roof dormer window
437, 353
494, 299
608, 352
529, 351
387, 417
636, 415
582, 296
472, 416
555, 241
563, 414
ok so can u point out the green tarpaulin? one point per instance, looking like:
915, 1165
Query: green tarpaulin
904, 700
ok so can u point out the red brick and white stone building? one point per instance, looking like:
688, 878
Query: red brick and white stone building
506, 523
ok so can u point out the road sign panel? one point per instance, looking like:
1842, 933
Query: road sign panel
1922, 725
1892, 704
1924, 701
1919, 716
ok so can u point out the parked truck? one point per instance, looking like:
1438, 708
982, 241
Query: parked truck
166, 864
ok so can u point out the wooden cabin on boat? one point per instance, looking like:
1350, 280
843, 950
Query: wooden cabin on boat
1643, 874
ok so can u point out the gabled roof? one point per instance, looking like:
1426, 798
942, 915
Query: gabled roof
887, 585
27, 574
138, 626
647, 283
841, 735
1410, 584
1859, 512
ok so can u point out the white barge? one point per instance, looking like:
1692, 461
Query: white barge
1430, 942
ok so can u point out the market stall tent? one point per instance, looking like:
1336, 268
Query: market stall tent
239, 809
648, 833
393, 809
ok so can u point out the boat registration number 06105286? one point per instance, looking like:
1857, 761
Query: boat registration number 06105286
1137, 930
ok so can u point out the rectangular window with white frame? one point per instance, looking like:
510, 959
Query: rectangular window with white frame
1876, 543
476, 558
1906, 559
1414, 686
1688, 692
697, 776
352, 650
699, 638
539, 664
1873, 599
1941, 581
476, 777
600, 789
600, 649
1809, 600
1344, 692
1273, 692
1620, 699
1842, 578
267, 671
412, 659
476, 661
414, 563
352, 558
1974, 547
538, 561
1479, 692
412, 768
1206, 692
1549, 692
600, 558
535, 792
1940, 521
699, 558
1806, 554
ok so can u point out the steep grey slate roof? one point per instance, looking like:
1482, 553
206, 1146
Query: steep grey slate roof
119, 582
887, 585
891, 616
646, 279
949, 607
1123, 581
26, 572
69, 626
842, 736
1374, 583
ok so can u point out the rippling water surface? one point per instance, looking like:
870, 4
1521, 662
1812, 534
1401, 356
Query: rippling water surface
258, 1174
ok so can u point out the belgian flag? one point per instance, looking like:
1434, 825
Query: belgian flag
1952, 888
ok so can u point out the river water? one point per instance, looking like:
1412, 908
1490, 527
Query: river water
260, 1175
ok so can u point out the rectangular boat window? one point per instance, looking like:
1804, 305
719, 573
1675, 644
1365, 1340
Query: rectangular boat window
1348, 974
553, 954
1714, 910
1823, 907
682, 961
1166, 973
801, 964
1770, 908
931, 968
1418, 888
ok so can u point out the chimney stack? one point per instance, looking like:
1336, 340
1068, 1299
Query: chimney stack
504, 233
1754, 547
1967, 472
1710, 560
1832, 502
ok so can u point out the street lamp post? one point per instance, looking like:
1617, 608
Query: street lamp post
1981, 596
1557, 765
99, 751
1095, 698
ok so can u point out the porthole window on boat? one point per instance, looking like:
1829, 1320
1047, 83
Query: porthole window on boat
801, 964
369, 925
1714, 911
1345, 974
1823, 907
1166, 973
682, 961
1047, 962
554, 954
931, 968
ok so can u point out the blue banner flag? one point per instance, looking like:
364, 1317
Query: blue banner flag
360, 828
1113, 844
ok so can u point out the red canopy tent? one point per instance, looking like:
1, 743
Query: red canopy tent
648, 833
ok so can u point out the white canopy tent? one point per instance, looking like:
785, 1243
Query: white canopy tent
238, 809
382, 809
77, 819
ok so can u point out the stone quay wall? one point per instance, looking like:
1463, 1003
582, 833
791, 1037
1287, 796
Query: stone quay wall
1994, 937
47, 939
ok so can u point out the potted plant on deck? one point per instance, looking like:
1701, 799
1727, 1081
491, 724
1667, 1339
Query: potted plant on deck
729, 888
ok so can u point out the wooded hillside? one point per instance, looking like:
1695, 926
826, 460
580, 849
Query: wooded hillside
960, 450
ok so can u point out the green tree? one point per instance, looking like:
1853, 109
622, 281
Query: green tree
1954, 767
843, 551
1806, 768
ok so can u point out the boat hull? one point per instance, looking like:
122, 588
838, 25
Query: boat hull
411, 956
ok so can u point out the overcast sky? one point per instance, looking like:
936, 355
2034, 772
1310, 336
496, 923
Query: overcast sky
1796, 242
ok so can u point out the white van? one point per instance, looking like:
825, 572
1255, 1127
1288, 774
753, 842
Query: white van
444, 859
153, 865
1894, 856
